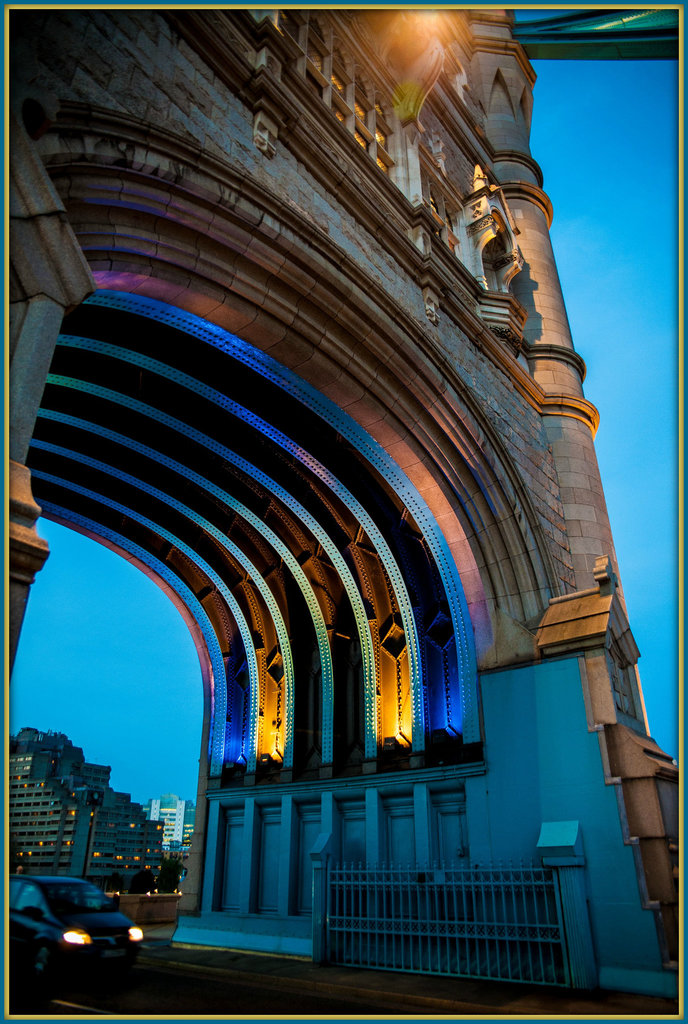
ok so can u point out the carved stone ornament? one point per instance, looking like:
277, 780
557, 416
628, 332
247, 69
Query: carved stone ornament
479, 178
437, 149
432, 302
480, 225
264, 133
267, 60
421, 239
509, 335
510, 257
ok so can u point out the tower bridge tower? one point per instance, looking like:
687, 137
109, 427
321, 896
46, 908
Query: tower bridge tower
287, 333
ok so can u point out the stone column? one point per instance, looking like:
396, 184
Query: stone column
321, 856
214, 852
506, 80
48, 277
560, 846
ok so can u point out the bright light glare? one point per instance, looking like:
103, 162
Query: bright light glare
77, 937
135, 934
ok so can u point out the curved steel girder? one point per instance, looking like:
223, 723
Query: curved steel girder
216, 747
276, 542
232, 549
335, 485
312, 524
329, 479
374, 454
244, 630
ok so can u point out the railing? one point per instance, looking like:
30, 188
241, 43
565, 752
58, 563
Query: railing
501, 923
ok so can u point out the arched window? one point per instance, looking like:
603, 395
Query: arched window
501, 259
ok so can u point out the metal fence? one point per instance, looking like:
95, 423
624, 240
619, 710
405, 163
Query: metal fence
499, 922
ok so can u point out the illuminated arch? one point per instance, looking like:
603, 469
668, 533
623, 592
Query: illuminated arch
220, 706
431, 691
318, 469
270, 536
216, 748
373, 452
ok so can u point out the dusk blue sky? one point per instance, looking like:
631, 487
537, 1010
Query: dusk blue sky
106, 658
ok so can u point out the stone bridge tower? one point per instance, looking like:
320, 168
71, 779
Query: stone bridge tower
287, 333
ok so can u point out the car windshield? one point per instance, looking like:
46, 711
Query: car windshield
73, 897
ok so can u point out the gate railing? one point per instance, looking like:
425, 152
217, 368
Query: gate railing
501, 923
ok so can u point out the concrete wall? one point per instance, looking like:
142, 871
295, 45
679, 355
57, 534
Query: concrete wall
154, 909
544, 764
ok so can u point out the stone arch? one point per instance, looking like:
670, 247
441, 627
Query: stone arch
501, 259
500, 104
525, 108
158, 256
396, 633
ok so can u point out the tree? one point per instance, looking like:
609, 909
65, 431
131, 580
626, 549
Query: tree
170, 873
142, 882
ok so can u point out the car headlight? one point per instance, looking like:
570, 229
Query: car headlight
77, 937
135, 933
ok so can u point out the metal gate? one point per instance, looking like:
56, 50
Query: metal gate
499, 922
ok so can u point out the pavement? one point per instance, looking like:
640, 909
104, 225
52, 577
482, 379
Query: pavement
393, 992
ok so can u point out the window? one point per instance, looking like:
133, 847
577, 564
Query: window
332, 74
27, 897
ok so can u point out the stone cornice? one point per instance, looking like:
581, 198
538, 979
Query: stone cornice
575, 408
38, 223
28, 551
525, 190
559, 353
515, 156
230, 794
502, 48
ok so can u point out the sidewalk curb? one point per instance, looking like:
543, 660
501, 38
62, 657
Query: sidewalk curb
330, 988
376, 988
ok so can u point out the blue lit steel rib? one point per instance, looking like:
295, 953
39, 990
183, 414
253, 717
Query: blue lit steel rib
216, 755
384, 553
323, 538
232, 604
229, 546
309, 396
269, 535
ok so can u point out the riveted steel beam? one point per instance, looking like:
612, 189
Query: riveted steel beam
632, 34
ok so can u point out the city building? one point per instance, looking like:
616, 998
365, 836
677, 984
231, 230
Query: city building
178, 817
65, 819
287, 333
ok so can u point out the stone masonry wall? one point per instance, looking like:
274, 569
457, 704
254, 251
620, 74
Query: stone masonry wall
137, 66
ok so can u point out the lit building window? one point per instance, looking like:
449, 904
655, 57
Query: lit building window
333, 76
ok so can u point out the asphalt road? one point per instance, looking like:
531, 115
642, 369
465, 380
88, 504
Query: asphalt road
163, 991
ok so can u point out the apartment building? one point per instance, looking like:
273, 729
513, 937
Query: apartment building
65, 819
